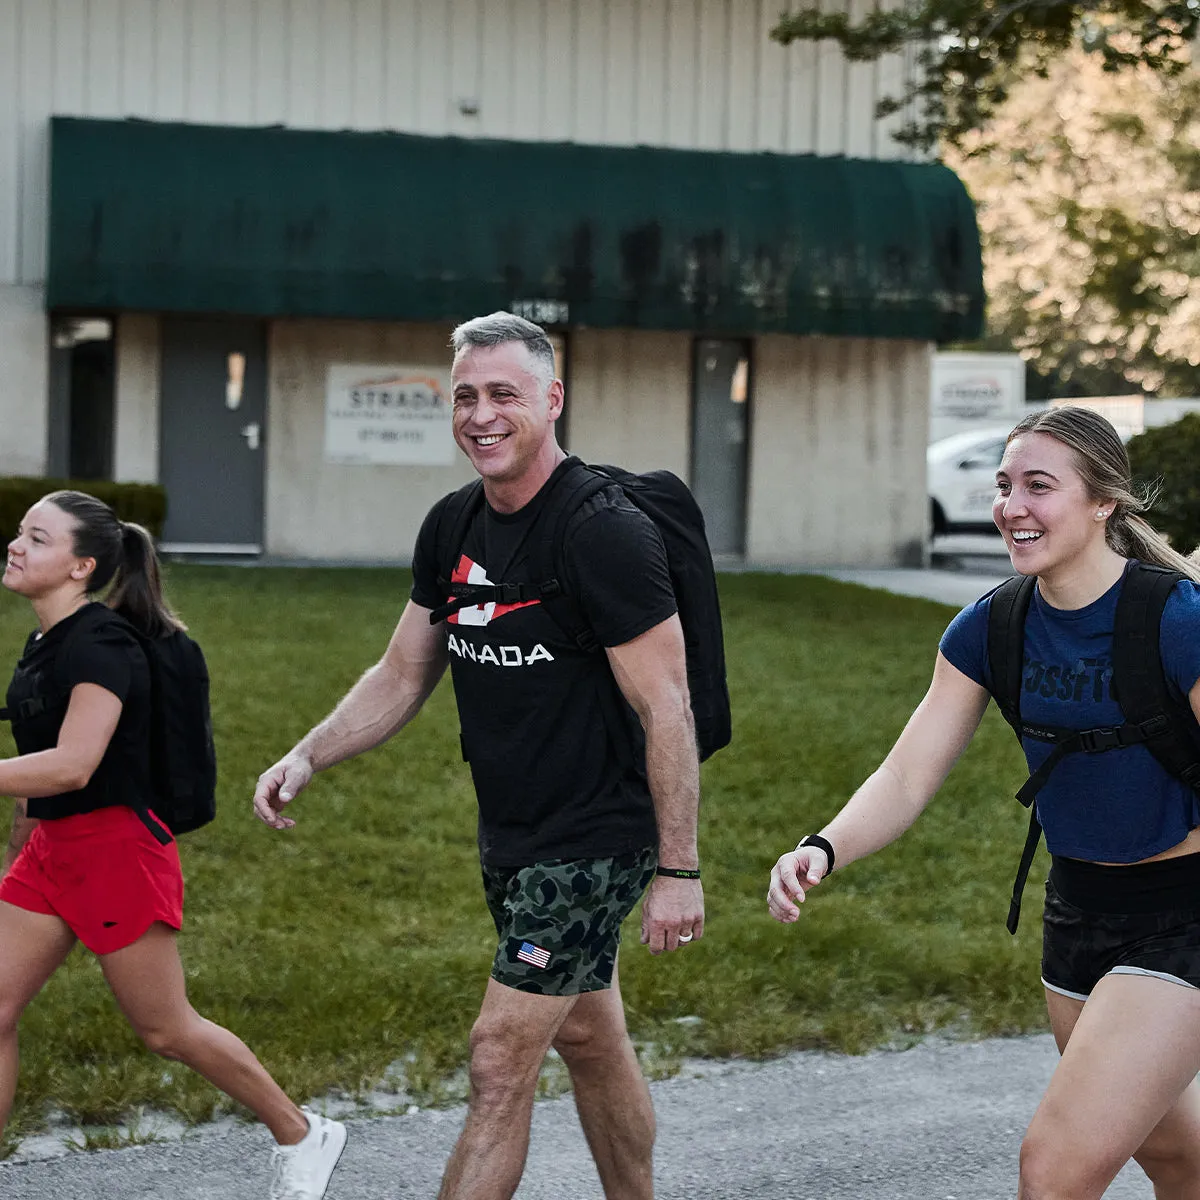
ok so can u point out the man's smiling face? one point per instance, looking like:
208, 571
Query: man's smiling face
505, 406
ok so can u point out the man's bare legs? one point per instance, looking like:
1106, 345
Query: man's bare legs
508, 1043
509, 1040
610, 1093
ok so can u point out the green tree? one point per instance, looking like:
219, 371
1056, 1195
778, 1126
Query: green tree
969, 53
1087, 187
1165, 460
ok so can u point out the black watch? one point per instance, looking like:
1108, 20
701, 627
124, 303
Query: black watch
815, 839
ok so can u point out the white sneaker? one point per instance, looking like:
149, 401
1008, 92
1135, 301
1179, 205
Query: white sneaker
302, 1171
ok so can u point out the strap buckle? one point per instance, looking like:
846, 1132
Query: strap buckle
1155, 727
1096, 741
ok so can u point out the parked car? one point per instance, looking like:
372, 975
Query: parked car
961, 470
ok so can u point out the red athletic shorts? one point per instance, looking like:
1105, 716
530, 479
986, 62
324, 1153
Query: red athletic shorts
104, 873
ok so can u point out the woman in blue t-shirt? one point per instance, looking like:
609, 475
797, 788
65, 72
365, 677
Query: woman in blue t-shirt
82, 864
1121, 942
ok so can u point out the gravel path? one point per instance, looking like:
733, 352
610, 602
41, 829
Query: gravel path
942, 1121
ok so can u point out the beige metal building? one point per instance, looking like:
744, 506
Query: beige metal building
235, 234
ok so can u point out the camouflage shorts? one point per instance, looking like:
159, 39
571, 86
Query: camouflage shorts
559, 921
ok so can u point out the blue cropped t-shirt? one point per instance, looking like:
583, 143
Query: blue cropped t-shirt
1115, 807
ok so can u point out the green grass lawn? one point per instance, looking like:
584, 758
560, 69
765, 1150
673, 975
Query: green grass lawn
360, 938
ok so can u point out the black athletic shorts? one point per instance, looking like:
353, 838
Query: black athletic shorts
559, 922
1137, 920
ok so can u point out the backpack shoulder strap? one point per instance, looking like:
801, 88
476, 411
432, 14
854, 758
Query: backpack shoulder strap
458, 511
578, 484
454, 518
1006, 644
1007, 611
1139, 681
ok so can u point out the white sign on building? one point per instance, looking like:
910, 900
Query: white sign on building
968, 389
389, 415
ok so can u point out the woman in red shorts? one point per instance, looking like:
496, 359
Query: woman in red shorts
81, 863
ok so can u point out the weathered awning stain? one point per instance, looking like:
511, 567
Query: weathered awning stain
278, 222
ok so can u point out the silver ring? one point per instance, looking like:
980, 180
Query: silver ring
686, 937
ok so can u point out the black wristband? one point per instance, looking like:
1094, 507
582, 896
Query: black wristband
815, 839
676, 873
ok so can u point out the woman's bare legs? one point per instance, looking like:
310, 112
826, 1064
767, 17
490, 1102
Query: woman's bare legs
147, 980
1125, 1088
32, 948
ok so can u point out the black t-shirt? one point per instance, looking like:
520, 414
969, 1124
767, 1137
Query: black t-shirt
552, 778
92, 645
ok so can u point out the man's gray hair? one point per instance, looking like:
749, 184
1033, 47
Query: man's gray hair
500, 327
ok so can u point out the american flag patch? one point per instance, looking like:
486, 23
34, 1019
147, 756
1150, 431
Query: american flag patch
535, 956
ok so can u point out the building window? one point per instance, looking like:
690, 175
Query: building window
82, 393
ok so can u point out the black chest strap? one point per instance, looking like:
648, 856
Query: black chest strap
570, 485
468, 595
1066, 741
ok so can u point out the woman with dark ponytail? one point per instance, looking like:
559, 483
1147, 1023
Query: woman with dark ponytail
1120, 808
82, 862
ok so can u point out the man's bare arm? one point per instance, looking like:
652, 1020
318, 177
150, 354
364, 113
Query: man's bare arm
382, 702
386, 697
651, 672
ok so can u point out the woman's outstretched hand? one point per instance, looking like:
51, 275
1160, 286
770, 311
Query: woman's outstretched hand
794, 873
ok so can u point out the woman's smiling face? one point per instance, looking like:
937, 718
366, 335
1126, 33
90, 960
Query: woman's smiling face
1042, 506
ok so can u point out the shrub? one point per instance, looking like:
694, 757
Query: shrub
145, 503
1169, 456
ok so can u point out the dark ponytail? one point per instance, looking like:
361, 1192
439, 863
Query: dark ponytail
125, 556
137, 587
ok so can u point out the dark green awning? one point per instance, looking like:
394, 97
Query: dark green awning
279, 222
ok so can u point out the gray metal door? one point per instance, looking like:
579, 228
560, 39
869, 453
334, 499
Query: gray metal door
720, 427
213, 411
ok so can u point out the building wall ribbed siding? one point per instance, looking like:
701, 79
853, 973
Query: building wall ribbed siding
698, 74
837, 425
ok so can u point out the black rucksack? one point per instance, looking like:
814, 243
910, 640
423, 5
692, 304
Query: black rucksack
666, 500
1154, 716
183, 759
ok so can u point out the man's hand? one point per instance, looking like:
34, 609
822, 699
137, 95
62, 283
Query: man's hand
791, 876
672, 913
278, 786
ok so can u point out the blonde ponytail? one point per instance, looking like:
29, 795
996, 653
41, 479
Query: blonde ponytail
1134, 537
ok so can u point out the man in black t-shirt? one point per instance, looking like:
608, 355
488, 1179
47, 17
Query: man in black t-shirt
585, 766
